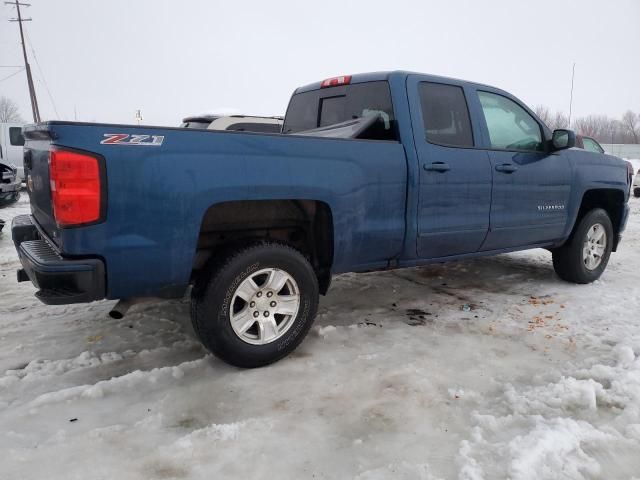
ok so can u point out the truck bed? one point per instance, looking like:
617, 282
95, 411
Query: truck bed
156, 195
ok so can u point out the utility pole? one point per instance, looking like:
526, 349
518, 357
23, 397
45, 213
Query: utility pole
32, 91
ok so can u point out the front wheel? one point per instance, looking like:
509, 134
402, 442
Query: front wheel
257, 305
585, 256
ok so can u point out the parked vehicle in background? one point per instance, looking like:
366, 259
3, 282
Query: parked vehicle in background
199, 121
589, 144
237, 123
11, 143
10, 184
372, 172
592, 145
247, 123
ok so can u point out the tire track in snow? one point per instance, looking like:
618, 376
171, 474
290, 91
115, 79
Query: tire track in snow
131, 380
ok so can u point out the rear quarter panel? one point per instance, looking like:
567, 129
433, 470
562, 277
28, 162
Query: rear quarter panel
157, 197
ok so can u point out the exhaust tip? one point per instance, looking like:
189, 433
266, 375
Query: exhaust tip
120, 309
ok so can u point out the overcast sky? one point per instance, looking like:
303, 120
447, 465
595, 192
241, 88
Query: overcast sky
105, 59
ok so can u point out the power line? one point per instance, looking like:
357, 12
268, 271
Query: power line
12, 75
44, 80
32, 91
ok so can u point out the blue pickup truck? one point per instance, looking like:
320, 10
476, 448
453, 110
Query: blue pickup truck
371, 172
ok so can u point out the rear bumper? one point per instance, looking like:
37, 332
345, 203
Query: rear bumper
59, 280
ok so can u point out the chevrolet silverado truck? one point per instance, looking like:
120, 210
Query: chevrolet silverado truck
371, 172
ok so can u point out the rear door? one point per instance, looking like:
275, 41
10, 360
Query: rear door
455, 176
531, 185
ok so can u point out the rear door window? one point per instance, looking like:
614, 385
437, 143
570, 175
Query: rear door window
15, 136
328, 106
445, 115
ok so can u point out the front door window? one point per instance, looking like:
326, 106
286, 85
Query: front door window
510, 126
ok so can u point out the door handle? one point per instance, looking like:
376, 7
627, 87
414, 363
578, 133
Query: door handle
437, 167
506, 168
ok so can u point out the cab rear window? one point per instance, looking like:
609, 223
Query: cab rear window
328, 106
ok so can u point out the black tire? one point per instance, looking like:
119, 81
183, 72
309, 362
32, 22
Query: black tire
568, 260
636, 192
211, 304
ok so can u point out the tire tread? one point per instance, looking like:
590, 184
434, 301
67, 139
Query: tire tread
211, 275
567, 260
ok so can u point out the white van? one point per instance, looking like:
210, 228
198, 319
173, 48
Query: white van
11, 142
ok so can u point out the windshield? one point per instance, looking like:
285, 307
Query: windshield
328, 106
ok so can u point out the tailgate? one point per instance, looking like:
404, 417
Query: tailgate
36, 172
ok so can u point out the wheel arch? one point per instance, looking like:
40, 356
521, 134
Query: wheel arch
304, 224
609, 199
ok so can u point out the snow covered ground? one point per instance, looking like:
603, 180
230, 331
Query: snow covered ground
484, 369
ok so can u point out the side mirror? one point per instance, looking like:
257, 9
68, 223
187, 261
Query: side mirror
563, 139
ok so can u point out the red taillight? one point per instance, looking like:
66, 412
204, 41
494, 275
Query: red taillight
336, 81
75, 187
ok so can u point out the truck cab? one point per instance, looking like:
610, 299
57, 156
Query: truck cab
484, 174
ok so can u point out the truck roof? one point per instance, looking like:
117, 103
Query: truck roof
387, 75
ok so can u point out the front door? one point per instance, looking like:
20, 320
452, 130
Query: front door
531, 185
455, 177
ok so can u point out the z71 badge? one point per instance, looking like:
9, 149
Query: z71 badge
126, 139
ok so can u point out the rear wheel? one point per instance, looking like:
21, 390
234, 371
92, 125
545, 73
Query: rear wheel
256, 305
585, 256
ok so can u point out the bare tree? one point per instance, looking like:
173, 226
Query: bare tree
551, 120
615, 132
631, 123
559, 120
596, 126
9, 111
543, 114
